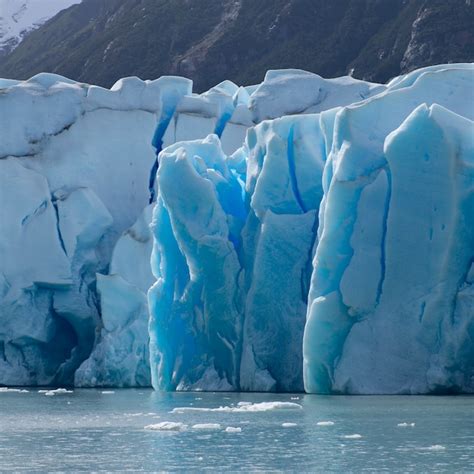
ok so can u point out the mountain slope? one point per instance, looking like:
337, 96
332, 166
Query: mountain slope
99, 41
20, 17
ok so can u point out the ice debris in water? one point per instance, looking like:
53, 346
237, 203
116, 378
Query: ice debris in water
244, 408
58, 391
435, 447
233, 429
167, 426
405, 425
325, 423
12, 390
206, 426
107, 392
353, 436
289, 425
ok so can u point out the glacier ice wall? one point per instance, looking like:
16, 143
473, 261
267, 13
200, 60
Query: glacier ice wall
216, 316
72, 182
121, 356
396, 244
82, 183
330, 235
195, 322
216, 313
287, 246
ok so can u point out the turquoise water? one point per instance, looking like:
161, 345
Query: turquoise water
94, 431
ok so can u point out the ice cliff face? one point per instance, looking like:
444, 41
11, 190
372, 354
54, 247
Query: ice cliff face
305, 234
356, 221
389, 308
76, 161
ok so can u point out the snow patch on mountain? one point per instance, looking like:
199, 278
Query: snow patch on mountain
20, 17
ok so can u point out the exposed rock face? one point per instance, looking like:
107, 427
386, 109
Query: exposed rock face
100, 41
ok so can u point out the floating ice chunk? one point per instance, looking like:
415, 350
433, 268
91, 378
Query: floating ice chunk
435, 447
107, 392
289, 425
353, 436
243, 404
252, 407
58, 391
12, 390
404, 425
207, 426
233, 429
167, 426
295, 398
325, 423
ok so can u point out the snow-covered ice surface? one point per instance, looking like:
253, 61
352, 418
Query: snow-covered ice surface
330, 251
114, 433
19, 17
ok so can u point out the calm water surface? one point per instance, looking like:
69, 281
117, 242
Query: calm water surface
89, 430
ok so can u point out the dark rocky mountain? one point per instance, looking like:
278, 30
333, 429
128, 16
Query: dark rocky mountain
99, 41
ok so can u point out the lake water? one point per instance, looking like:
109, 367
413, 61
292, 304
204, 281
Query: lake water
95, 431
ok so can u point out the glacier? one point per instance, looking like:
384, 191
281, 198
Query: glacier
300, 234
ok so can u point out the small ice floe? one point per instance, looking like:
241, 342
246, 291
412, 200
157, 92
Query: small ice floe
289, 425
58, 391
207, 426
107, 392
325, 423
167, 426
435, 447
198, 398
295, 398
353, 436
244, 407
12, 390
406, 425
233, 429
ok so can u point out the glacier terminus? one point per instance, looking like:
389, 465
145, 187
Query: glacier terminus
302, 234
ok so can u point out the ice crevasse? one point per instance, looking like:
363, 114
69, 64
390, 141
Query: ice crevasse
287, 248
